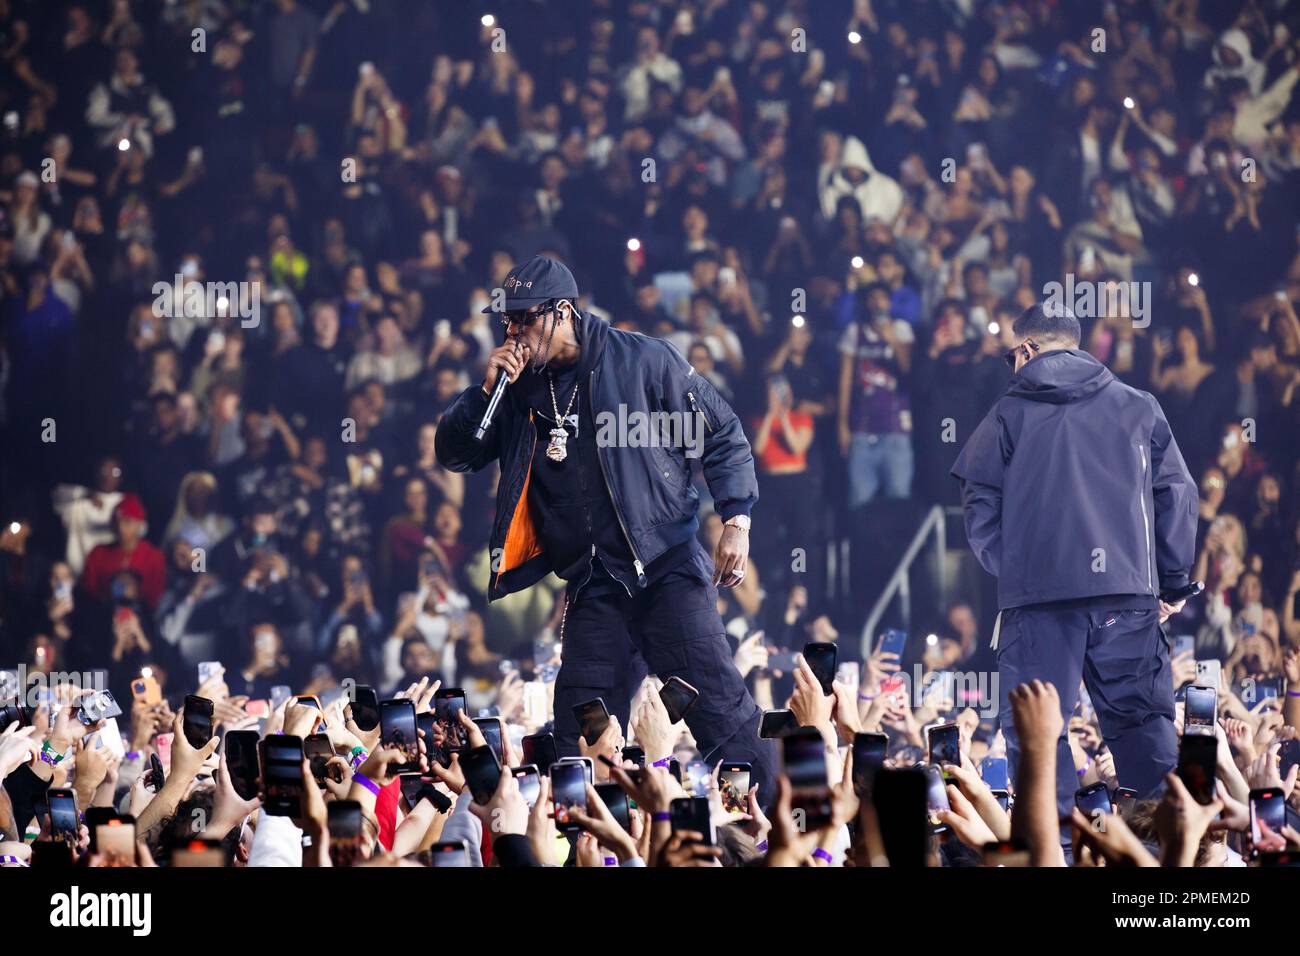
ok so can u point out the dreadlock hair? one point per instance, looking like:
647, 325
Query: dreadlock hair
544, 353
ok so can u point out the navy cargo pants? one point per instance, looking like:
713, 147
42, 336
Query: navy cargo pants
1123, 659
673, 625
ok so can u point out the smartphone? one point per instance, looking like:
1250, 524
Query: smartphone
893, 641
1209, 674
198, 721
493, 732
164, 744
1267, 805
482, 772
318, 750
821, 658
447, 706
1199, 710
592, 719
398, 729
699, 777
540, 750
146, 688
311, 700
344, 820
208, 669
804, 760
868, 757
994, 773
101, 705
1185, 644
1124, 799
900, 798
1093, 799
615, 799
530, 783
428, 723
109, 737
936, 797
455, 853
155, 776
242, 762
93, 818
678, 697
279, 694
63, 815
1288, 756
365, 707
634, 754
196, 853
777, 723
115, 840
675, 769
733, 785
1003, 797
1006, 853
945, 744
568, 792
281, 757
692, 813
1197, 763
588, 767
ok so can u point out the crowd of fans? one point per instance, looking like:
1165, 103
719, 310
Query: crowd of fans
834, 209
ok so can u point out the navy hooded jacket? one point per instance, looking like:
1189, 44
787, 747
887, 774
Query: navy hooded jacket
649, 483
1074, 487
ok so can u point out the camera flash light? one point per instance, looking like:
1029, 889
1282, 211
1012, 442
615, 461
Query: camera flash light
1193, 279
123, 145
797, 321
856, 262
488, 20
633, 245
1128, 103
855, 36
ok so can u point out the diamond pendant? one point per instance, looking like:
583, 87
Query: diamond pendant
556, 450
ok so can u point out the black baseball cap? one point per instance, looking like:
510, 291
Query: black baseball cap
538, 280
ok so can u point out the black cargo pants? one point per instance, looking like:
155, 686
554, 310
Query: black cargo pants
673, 626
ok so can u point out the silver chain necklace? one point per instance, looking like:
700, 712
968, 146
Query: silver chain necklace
555, 449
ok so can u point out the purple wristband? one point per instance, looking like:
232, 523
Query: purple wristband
823, 855
661, 816
762, 847
366, 782
611, 861
131, 755
1293, 693
662, 762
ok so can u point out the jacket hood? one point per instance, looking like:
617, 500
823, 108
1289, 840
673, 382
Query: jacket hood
1060, 376
1236, 41
855, 156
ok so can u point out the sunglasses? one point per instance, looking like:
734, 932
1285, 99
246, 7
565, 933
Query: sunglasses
525, 318
1009, 356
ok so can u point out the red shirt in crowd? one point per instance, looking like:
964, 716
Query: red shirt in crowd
107, 560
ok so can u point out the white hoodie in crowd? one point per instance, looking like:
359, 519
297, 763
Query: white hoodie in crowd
878, 196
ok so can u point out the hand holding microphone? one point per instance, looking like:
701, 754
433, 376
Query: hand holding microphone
511, 358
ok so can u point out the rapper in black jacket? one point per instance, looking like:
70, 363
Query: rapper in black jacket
609, 506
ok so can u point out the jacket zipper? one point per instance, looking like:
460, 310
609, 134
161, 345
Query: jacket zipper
1146, 523
618, 513
707, 424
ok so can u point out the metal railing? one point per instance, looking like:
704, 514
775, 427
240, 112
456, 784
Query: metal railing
934, 524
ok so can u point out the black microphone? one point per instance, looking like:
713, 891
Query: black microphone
498, 392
